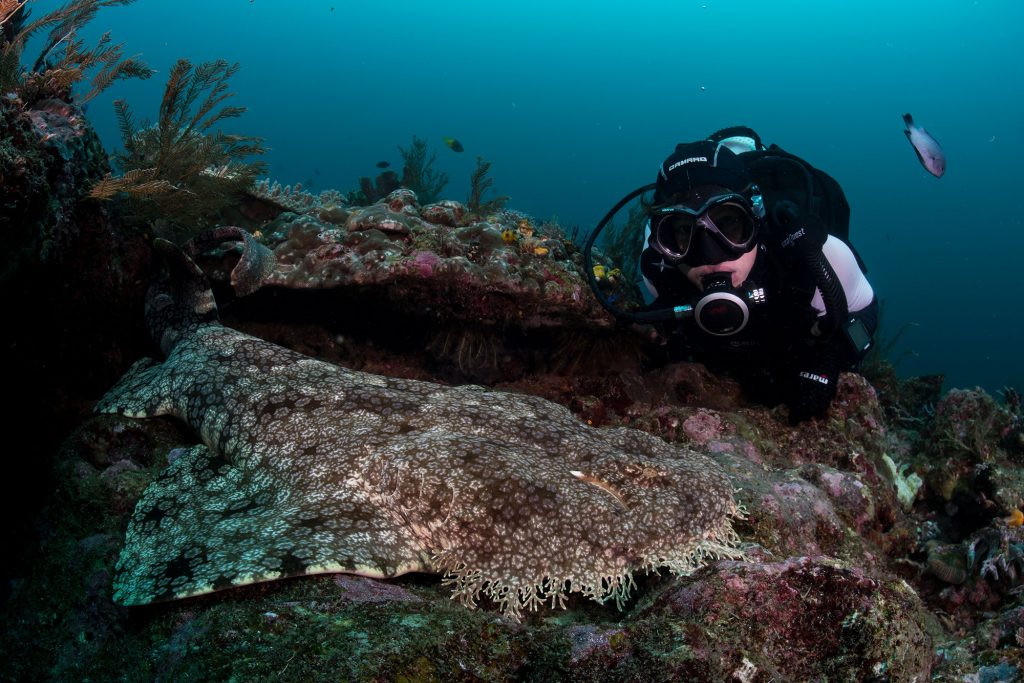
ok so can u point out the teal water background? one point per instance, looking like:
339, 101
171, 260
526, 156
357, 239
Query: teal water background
576, 103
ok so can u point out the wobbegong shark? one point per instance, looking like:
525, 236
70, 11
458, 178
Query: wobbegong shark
306, 467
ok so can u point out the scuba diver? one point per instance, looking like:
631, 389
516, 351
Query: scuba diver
746, 268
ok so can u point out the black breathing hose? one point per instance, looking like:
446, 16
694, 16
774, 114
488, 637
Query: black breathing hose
832, 294
588, 261
786, 214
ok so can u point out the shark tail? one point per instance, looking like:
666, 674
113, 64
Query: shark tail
179, 297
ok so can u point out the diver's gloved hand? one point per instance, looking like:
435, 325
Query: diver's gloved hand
797, 233
812, 396
812, 391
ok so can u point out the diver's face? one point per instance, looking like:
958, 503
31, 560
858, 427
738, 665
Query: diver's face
739, 268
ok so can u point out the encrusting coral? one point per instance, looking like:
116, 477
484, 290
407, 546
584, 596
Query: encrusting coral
503, 269
294, 198
309, 468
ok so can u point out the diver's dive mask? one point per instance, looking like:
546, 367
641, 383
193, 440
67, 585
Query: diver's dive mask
719, 229
720, 309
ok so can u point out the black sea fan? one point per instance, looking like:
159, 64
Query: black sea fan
184, 170
63, 60
479, 184
418, 172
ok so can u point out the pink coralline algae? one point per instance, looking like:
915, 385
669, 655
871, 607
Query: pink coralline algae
969, 421
809, 616
425, 262
703, 426
972, 457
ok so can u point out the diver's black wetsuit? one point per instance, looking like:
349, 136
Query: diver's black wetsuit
777, 342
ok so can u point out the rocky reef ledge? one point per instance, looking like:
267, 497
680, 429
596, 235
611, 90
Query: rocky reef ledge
882, 543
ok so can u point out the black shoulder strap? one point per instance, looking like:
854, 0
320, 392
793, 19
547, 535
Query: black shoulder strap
782, 176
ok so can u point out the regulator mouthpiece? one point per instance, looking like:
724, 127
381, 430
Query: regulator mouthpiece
721, 311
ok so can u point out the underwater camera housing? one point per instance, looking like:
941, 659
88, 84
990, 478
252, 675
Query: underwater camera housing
723, 310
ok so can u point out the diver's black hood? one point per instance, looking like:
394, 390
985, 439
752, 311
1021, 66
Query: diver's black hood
695, 164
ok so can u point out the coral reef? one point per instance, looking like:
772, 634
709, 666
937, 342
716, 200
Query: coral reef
882, 542
69, 282
842, 580
48, 151
26, 220
813, 619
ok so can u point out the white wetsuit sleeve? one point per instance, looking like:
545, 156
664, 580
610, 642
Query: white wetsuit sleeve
855, 285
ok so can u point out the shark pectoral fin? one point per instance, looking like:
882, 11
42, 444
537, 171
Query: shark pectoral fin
206, 524
143, 391
256, 264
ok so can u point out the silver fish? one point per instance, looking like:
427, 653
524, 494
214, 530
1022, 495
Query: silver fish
929, 153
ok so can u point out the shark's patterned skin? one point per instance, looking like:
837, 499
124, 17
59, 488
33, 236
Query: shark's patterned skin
307, 467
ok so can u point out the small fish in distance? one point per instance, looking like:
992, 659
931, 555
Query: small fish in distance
383, 164
453, 144
929, 153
